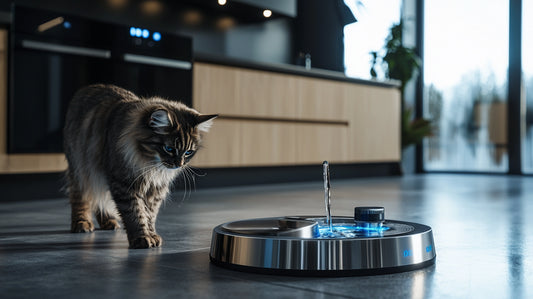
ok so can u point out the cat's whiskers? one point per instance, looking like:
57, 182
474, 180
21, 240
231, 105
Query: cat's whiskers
193, 176
195, 171
189, 182
186, 177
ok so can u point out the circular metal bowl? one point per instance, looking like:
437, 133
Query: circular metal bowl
301, 228
294, 246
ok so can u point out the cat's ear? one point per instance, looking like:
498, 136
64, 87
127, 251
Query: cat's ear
159, 121
205, 121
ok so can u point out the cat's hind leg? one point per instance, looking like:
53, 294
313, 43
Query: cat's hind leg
81, 212
106, 213
81, 217
106, 221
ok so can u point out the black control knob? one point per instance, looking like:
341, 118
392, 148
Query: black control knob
369, 214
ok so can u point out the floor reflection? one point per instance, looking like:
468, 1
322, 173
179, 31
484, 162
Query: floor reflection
422, 283
515, 249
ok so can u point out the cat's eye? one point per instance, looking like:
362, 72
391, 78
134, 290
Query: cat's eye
189, 152
168, 149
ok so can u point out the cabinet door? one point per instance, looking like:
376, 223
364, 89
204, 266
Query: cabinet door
321, 100
318, 142
215, 89
260, 94
266, 95
374, 131
241, 92
221, 146
268, 143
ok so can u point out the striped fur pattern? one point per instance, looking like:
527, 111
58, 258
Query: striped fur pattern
123, 154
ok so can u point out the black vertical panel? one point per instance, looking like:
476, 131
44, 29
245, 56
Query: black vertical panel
420, 82
43, 79
319, 31
514, 120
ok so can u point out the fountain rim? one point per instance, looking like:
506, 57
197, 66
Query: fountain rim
220, 229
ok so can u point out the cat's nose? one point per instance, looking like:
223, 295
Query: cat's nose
180, 162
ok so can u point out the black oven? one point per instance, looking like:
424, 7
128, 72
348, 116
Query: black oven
52, 55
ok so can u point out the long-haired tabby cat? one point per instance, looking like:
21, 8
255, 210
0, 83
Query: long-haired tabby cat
123, 153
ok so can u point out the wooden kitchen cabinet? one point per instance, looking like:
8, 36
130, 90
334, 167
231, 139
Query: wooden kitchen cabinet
266, 119
233, 91
236, 143
375, 130
274, 119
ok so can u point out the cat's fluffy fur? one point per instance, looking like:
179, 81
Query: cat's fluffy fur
123, 153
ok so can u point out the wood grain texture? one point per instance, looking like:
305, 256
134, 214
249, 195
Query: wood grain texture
278, 119
235, 143
253, 93
32, 163
374, 134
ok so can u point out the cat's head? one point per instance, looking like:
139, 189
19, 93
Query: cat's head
173, 135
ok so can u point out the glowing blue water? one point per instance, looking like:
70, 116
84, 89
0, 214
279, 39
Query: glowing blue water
350, 231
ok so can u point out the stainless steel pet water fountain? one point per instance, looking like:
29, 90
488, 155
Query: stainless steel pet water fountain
365, 244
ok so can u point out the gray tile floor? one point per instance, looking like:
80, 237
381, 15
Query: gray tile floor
481, 228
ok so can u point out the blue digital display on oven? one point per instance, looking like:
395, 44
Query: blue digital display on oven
144, 33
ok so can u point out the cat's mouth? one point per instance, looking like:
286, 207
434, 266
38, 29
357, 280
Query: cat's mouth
170, 166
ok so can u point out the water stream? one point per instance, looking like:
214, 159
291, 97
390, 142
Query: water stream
327, 194
341, 230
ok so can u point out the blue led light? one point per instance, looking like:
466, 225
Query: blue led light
407, 253
132, 31
372, 228
429, 248
67, 24
138, 32
146, 33
156, 36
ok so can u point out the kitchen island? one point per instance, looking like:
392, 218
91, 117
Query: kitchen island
280, 115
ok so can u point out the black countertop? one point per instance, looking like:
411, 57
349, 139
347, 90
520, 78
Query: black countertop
290, 69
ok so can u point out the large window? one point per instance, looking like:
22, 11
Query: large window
527, 72
368, 34
465, 84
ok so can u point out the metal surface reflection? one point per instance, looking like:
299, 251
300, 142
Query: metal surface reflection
404, 246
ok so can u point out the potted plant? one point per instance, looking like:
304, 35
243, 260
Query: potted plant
401, 63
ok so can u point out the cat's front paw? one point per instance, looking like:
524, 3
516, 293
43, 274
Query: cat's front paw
146, 242
82, 226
